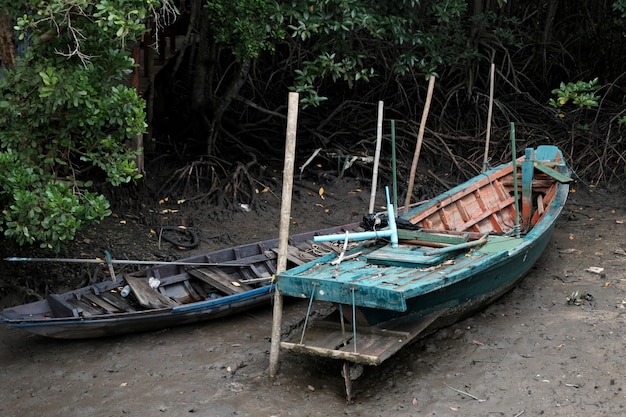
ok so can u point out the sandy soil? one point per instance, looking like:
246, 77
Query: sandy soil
532, 353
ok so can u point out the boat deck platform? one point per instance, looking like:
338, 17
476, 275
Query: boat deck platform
368, 346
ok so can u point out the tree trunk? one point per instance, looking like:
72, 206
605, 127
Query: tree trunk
201, 90
229, 94
8, 50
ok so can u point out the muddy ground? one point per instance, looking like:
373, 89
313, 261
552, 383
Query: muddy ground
532, 353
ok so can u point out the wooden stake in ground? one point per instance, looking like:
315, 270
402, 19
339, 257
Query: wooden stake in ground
285, 214
379, 139
489, 112
418, 147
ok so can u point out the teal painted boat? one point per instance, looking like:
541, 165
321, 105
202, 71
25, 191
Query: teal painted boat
464, 249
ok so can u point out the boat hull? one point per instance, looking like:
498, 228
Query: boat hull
81, 328
203, 287
476, 242
467, 296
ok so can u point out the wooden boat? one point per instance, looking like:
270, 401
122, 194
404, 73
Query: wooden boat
465, 248
202, 287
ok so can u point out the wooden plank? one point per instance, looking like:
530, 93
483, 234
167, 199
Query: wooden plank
61, 308
496, 244
148, 296
432, 237
298, 255
553, 173
219, 280
403, 255
87, 310
92, 298
117, 300
374, 345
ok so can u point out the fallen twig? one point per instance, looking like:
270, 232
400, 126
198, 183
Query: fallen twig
465, 393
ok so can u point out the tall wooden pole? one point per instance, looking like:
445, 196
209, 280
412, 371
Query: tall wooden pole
418, 147
379, 139
489, 113
285, 214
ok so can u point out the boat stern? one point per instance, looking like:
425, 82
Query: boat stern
336, 291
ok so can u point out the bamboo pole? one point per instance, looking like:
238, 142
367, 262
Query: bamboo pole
393, 164
379, 138
515, 191
285, 213
418, 147
489, 113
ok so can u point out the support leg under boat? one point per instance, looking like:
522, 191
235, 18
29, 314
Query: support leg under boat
350, 372
347, 380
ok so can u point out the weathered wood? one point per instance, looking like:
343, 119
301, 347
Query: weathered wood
92, 298
61, 308
374, 345
148, 296
86, 309
553, 173
403, 255
117, 300
219, 280
303, 253
433, 237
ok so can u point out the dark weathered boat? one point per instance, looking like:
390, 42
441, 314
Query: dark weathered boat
202, 287
463, 250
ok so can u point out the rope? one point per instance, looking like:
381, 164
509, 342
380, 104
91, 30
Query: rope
182, 230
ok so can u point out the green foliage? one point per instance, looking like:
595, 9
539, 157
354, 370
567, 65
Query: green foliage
620, 7
245, 26
66, 116
581, 94
350, 40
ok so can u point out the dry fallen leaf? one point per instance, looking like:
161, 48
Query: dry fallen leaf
414, 402
321, 193
311, 388
477, 343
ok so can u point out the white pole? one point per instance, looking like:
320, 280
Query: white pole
379, 139
285, 214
